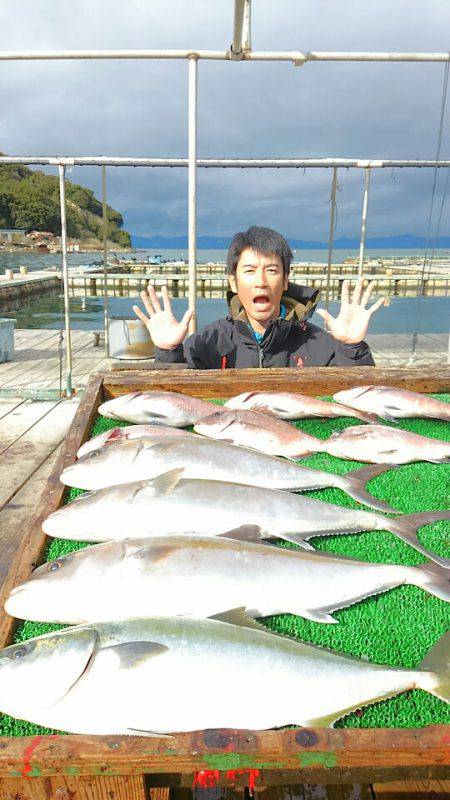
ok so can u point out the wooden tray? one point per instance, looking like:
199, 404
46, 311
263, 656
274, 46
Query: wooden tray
130, 765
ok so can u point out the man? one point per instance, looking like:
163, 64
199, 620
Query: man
267, 325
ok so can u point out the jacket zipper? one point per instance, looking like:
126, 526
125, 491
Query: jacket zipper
260, 356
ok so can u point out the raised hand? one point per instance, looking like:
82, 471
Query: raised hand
351, 325
165, 330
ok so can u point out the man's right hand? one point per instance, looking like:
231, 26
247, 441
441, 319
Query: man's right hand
166, 332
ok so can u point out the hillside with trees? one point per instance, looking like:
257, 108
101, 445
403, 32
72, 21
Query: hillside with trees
29, 199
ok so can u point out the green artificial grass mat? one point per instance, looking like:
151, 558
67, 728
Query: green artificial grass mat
397, 627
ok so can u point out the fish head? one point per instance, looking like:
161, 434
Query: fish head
119, 407
71, 520
240, 401
65, 583
215, 424
113, 435
37, 673
104, 466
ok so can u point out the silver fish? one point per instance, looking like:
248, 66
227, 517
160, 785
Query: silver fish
291, 405
203, 458
160, 408
130, 677
201, 576
260, 431
171, 504
124, 434
391, 404
379, 444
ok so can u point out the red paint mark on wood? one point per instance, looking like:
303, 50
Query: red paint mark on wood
252, 774
27, 753
206, 778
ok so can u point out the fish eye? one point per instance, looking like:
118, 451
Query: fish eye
94, 453
19, 652
54, 566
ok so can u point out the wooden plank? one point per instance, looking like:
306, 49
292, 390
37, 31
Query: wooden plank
29, 351
289, 757
412, 790
33, 543
30, 372
26, 455
67, 788
313, 381
6, 406
15, 515
19, 421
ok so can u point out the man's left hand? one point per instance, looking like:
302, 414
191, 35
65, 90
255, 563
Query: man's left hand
351, 325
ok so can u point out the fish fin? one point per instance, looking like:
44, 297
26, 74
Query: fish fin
435, 580
244, 396
160, 446
155, 551
296, 539
239, 617
132, 654
264, 409
388, 417
406, 526
318, 615
166, 482
354, 484
437, 660
245, 533
142, 732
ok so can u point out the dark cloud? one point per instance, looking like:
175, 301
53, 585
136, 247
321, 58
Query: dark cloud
245, 109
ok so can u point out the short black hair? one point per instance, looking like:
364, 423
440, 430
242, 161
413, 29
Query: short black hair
264, 240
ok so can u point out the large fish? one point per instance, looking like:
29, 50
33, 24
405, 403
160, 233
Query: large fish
201, 576
210, 460
114, 435
391, 404
291, 405
159, 408
261, 431
171, 504
174, 674
379, 444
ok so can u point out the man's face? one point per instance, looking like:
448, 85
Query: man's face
259, 282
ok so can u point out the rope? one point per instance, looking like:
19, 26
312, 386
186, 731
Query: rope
421, 284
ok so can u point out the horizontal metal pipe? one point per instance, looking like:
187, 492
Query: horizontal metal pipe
296, 56
225, 163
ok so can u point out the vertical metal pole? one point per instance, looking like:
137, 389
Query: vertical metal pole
65, 277
362, 245
105, 264
247, 27
192, 189
331, 235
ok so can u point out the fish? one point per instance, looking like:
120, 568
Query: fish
203, 458
379, 444
201, 576
172, 504
259, 431
157, 408
391, 404
126, 433
129, 677
291, 405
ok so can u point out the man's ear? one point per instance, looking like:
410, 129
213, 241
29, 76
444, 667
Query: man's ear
285, 281
232, 282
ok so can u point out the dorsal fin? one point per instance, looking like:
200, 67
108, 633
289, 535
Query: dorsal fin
239, 617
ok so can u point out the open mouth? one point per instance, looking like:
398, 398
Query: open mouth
261, 301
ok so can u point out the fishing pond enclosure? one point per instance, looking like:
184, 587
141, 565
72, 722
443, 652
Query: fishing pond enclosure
128, 767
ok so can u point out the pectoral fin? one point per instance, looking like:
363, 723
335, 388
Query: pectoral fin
132, 654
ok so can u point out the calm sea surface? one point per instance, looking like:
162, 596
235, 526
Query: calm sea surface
403, 315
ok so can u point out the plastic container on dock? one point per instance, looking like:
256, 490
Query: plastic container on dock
129, 339
6, 339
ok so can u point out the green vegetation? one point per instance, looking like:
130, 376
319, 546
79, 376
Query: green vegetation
30, 199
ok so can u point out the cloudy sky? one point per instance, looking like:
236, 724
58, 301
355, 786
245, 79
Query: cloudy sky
245, 109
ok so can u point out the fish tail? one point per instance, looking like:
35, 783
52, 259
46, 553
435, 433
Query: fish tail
434, 579
437, 661
406, 526
354, 484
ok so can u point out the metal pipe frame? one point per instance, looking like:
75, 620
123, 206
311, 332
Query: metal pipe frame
192, 191
226, 163
105, 263
65, 276
297, 57
238, 28
331, 235
362, 245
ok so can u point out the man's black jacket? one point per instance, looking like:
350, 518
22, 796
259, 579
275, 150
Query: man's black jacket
288, 342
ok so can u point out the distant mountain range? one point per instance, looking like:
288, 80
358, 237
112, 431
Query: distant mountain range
406, 241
